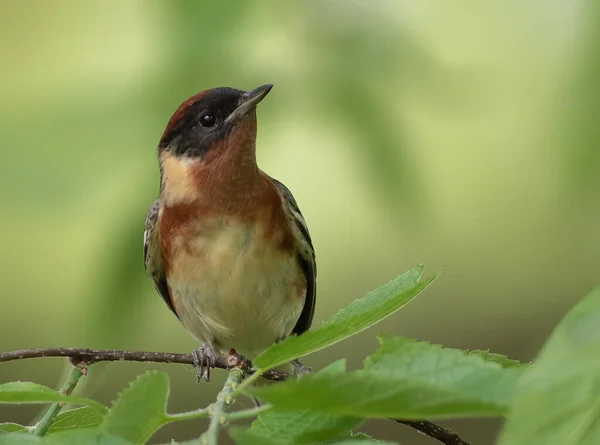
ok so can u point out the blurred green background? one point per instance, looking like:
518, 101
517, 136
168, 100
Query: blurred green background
463, 135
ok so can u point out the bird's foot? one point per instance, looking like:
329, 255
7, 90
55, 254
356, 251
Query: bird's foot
300, 369
205, 358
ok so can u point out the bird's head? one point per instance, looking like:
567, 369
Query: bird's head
215, 120
209, 145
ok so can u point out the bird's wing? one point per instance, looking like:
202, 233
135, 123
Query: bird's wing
306, 256
152, 255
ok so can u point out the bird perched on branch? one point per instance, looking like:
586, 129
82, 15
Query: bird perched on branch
225, 244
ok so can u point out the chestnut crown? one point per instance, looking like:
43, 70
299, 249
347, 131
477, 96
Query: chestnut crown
208, 117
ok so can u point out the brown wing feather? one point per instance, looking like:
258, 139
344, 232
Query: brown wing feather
306, 257
152, 255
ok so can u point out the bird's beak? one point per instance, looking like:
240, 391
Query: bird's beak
249, 100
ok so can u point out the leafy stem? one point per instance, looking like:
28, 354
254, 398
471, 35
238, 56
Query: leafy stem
42, 426
224, 399
247, 382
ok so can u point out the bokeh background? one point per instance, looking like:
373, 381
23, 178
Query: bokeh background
463, 135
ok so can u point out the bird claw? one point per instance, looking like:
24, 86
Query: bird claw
205, 358
300, 369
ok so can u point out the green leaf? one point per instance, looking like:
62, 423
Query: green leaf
363, 442
10, 427
403, 379
302, 427
558, 397
246, 437
77, 418
348, 437
84, 437
20, 439
140, 410
27, 392
358, 316
81, 437
501, 359
252, 437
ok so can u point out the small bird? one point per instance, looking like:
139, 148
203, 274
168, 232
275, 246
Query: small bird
225, 244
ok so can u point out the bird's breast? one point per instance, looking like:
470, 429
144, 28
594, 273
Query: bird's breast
232, 281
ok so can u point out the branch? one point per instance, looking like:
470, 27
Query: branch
90, 356
444, 435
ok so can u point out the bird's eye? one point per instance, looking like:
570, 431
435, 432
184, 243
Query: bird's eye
208, 120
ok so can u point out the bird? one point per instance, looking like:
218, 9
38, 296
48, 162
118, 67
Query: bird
225, 244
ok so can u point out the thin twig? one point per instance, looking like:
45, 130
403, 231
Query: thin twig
42, 426
248, 413
188, 415
224, 399
89, 356
444, 435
